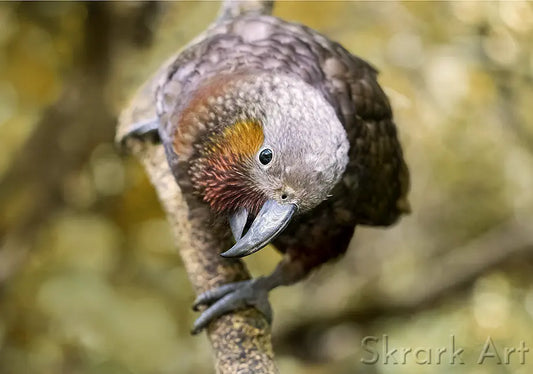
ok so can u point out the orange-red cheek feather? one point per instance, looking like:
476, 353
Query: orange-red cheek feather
221, 174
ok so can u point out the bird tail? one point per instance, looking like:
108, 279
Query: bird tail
233, 8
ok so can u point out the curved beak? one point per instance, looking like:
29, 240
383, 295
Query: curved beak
269, 223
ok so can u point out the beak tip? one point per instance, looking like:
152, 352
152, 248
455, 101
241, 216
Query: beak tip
226, 254
232, 254
270, 221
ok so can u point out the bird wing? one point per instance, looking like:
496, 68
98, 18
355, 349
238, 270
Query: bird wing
377, 177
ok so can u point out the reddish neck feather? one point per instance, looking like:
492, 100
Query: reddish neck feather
221, 174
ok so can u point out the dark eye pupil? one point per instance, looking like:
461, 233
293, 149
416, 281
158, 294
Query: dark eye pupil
265, 156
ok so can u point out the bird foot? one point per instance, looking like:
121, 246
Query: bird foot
144, 130
230, 297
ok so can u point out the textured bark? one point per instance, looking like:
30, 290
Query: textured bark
241, 340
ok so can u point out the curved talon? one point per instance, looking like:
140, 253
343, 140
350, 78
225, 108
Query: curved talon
143, 130
230, 297
210, 296
222, 306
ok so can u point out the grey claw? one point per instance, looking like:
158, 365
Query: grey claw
222, 306
230, 297
144, 129
210, 296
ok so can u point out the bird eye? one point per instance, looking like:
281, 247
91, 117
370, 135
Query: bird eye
265, 156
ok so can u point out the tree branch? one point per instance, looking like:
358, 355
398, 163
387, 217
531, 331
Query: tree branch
240, 340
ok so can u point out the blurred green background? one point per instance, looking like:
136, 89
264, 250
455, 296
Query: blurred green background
90, 281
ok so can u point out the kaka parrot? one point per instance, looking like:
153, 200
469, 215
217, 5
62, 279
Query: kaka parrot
276, 134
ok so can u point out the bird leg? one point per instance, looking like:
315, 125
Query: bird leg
238, 295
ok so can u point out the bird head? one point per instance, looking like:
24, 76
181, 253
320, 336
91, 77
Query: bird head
272, 147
